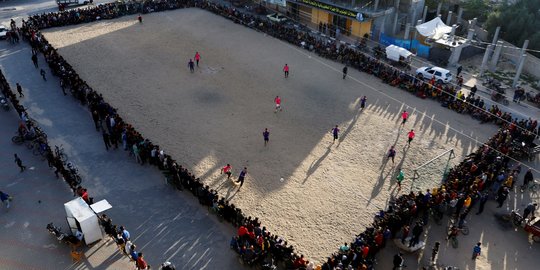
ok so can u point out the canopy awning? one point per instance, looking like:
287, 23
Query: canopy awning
434, 29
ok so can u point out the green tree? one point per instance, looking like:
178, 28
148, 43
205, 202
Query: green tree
518, 22
476, 9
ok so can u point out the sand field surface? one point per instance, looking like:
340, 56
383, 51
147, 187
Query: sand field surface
217, 114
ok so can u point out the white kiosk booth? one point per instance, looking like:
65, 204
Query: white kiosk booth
84, 218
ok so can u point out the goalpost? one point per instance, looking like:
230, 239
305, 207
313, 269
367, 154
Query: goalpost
433, 172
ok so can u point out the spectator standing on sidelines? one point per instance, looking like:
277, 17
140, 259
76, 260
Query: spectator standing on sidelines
18, 161
502, 194
106, 140
141, 263
19, 90
227, 170
483, 199
286, 71
266, 136
191, 65
335, 133
435, 251
476, 250
530, 209
35, 60
42, 73
527, 179
5, 198
404, 117
132, 252
411, 136
125, 233
197, 58
63, 86
398, 261
416, 233
242, 177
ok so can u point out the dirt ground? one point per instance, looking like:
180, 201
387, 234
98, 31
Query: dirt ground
217, 114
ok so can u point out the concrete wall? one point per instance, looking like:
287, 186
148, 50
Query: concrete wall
512, 54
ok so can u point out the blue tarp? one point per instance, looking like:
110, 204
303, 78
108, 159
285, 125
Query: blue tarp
411, 45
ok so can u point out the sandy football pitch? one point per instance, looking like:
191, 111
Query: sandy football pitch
217, 114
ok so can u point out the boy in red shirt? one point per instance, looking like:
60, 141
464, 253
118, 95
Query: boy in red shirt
411, 136
227, 170
404, 116
197, 58
277, 100
286, 71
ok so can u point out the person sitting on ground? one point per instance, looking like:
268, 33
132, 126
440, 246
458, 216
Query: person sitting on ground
299, 262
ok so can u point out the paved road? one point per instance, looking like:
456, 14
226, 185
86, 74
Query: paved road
164, 223
21, 9
167, 224
38, 200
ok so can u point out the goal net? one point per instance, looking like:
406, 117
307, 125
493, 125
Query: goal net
433, 172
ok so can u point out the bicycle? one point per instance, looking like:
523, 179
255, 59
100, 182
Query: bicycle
41, 150
464, 229
36, 142
532, 186
17, 139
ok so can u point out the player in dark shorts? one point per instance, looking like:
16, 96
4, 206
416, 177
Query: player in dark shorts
266, 136
227, 170
335, 132
242, 176
392, 153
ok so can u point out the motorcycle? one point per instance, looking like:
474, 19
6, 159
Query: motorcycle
61, 236
533, 97
492, 83
4, 103
499, 96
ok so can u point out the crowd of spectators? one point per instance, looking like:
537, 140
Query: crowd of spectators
449, 95
485, 170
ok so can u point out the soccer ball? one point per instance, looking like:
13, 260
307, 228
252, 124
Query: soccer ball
281, 179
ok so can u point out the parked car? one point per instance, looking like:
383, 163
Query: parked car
276, 17
62, 4
441, 75
3, 32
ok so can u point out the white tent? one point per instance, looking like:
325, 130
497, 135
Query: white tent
393, 52
434, 29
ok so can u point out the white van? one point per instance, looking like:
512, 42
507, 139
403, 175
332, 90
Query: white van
65, 3
441, 75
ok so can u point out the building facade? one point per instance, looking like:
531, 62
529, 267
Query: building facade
353, 18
